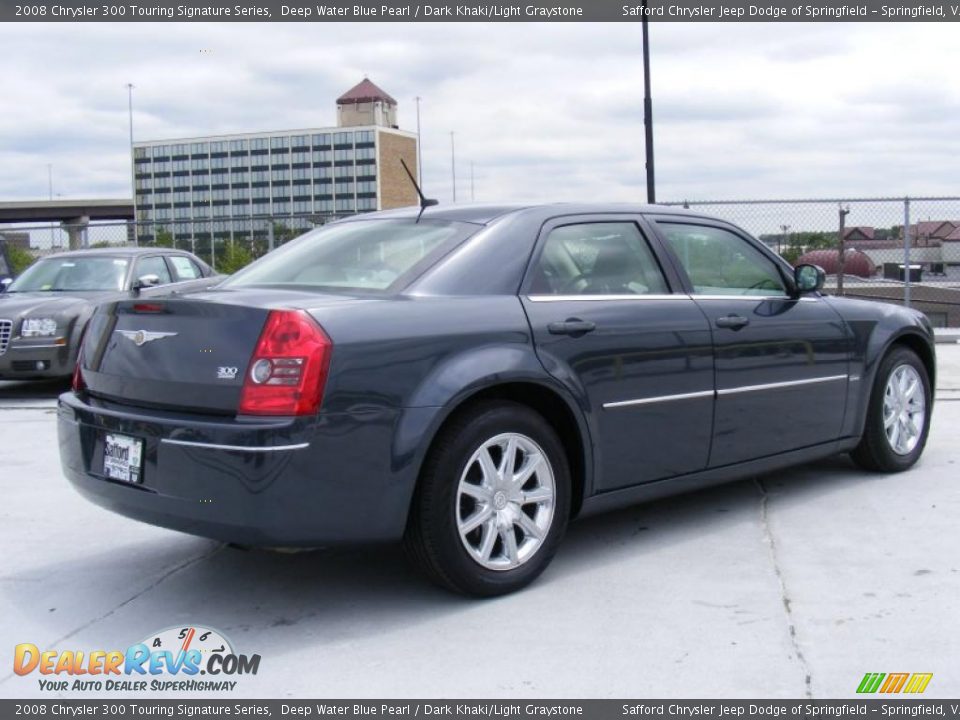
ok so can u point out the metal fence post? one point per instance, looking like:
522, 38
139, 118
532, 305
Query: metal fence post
906, 252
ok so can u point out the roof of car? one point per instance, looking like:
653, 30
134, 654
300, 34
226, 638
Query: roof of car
486, 213
120, 250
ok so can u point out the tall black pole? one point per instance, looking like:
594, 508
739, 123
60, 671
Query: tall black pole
648, 107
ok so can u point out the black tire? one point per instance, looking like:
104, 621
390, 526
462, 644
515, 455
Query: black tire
433, 539
874, 451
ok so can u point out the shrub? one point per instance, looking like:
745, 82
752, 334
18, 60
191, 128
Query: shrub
20, 258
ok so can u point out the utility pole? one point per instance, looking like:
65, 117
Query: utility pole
841, 249
906, 251
648, 108
784, 229
419, 146
50, 193
453, 166
133, 166
472, 196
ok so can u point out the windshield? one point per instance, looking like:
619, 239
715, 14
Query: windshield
365, 254
72, 274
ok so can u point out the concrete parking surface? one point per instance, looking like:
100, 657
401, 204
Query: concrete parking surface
788, 585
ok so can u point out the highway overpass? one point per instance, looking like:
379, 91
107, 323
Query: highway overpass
65, 211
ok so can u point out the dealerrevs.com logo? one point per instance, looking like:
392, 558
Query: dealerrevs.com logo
170, 660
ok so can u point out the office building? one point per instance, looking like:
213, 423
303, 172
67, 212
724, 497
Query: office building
236, 185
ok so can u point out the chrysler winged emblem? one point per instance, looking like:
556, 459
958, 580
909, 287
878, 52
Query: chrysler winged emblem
139, 337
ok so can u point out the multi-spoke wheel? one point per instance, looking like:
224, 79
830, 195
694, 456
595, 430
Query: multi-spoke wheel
898, 415
904, 409
492, 502
505, 501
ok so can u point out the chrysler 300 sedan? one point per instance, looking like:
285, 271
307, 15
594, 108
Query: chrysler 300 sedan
469, 379
43, 312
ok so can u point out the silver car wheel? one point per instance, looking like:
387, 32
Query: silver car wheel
904, 409
505, 501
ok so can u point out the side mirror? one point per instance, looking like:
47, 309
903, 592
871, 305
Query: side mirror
145, 281
4, 284
809, 278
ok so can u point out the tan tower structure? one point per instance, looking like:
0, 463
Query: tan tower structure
365, 104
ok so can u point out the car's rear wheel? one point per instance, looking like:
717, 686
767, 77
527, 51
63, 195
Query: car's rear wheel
898, 417
493, 500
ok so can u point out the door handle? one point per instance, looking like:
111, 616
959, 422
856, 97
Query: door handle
734, 322
575, 327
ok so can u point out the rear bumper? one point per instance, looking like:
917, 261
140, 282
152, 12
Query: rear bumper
284, 482
36, 359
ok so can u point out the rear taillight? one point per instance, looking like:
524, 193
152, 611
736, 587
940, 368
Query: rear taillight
288, 370
77, 384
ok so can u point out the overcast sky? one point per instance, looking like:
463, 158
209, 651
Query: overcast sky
545, 111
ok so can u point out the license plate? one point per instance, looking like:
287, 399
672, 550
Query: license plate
122, 458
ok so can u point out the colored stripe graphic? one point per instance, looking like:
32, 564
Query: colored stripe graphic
870, 682
918, 682
894, 682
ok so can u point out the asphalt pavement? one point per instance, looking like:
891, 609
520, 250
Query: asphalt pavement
788, 585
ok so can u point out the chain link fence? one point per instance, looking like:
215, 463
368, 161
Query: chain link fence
226, 245
901, 250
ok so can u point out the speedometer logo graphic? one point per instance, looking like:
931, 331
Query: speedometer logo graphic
183, 638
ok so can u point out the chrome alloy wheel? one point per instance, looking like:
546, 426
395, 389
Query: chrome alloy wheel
505, 501
904, 409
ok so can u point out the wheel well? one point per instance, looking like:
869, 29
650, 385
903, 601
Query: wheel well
923, 350
555, 411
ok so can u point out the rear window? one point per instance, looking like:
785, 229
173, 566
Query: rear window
364, 254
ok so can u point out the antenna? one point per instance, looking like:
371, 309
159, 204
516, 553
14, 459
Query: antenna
425, 202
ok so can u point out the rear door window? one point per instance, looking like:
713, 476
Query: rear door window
597, 258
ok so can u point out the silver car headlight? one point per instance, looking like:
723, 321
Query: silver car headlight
38, 327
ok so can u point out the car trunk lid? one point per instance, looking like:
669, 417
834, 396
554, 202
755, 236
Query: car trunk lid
188, 353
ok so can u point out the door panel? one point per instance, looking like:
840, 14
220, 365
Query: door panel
640, 358
781, 362
781, 380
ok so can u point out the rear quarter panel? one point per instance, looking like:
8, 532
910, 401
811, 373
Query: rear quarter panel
417, 359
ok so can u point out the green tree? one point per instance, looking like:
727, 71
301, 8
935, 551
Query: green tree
233, 258
20, 258
164, 238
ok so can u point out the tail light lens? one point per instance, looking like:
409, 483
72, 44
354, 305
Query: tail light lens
77, 384
288, 369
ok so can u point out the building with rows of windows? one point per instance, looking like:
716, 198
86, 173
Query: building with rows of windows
236, 186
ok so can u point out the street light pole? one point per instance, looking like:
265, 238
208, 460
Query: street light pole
648, 108
133, 165
784, 229
472, 196
453, 166
50, 193
841, 248
419, 146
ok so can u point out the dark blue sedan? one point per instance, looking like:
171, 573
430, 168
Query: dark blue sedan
470, 379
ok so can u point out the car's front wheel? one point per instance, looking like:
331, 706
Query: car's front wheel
492, 502
898, 417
